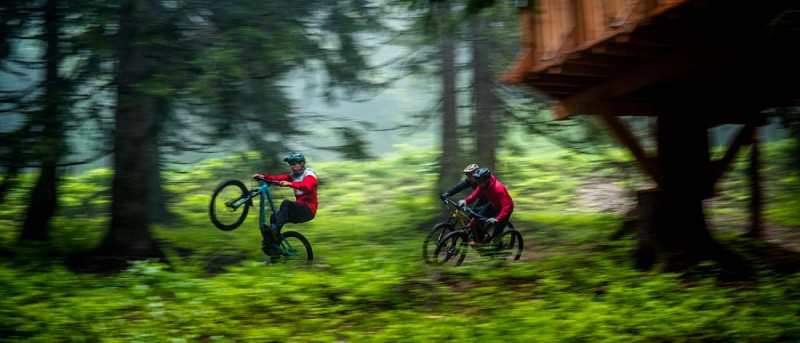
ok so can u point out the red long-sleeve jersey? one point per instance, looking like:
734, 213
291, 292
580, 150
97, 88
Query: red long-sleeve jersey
304, 184
498, 196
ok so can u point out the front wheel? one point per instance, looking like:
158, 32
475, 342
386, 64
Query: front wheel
452, 248
295, 249
435, 236
511, 246
229, 205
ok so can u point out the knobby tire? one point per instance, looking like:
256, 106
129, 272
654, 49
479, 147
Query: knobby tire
433, 238
512, 246
452, 249
301, 248
223, 217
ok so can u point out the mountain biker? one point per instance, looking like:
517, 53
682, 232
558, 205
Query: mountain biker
304, 182
468, 182
499, 213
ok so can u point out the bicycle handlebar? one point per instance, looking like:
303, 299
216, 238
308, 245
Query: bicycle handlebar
464, 208
262, 179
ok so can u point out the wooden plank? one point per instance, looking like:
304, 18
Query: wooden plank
636, 78
624, 14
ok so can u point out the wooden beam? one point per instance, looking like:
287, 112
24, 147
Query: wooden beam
745, 136
624, 135
524, 64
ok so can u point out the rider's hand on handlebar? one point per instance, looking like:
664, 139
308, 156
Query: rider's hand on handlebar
284, 183
491, 221
443, 197
462, 203
257, 176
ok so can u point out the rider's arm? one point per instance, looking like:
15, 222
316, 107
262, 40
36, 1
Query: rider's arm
284, 177
464, 184
475, 194
506, 207
308, 184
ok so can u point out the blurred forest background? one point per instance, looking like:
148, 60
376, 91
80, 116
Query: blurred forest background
146, 86
118, 118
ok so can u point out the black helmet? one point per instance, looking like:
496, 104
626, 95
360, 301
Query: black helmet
295, 157
482, 174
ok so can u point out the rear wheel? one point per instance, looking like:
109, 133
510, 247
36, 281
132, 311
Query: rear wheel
229, 205
296, 250
511, 246
451, 249
435, 236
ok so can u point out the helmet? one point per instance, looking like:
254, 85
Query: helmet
470, 168
482, 174
295, 157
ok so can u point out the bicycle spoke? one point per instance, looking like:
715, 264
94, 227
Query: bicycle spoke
229, 205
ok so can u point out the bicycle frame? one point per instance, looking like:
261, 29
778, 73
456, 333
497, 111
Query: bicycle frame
461, 216
263, 192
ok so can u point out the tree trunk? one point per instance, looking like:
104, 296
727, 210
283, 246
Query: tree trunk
157, 204
42, 206
683, 152
450, 162
135, 148
484, 120
673, 224
756, 205
44, 199
9, 180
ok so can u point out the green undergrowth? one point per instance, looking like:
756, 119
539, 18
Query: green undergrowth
368, 282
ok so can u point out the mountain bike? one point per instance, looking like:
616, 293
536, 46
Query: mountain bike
229, 206
453, 246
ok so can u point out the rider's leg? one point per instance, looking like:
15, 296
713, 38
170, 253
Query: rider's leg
487, 212
291, 212
288, 212
498, 229
475, 226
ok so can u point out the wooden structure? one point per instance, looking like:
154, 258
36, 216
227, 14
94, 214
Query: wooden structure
639, 57
691, 64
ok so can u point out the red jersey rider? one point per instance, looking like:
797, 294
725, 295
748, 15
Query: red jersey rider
304, 182
499, 212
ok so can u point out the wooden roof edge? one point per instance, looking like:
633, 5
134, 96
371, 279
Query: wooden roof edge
527, 62
517, 73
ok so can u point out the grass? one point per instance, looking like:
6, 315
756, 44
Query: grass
368, 283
